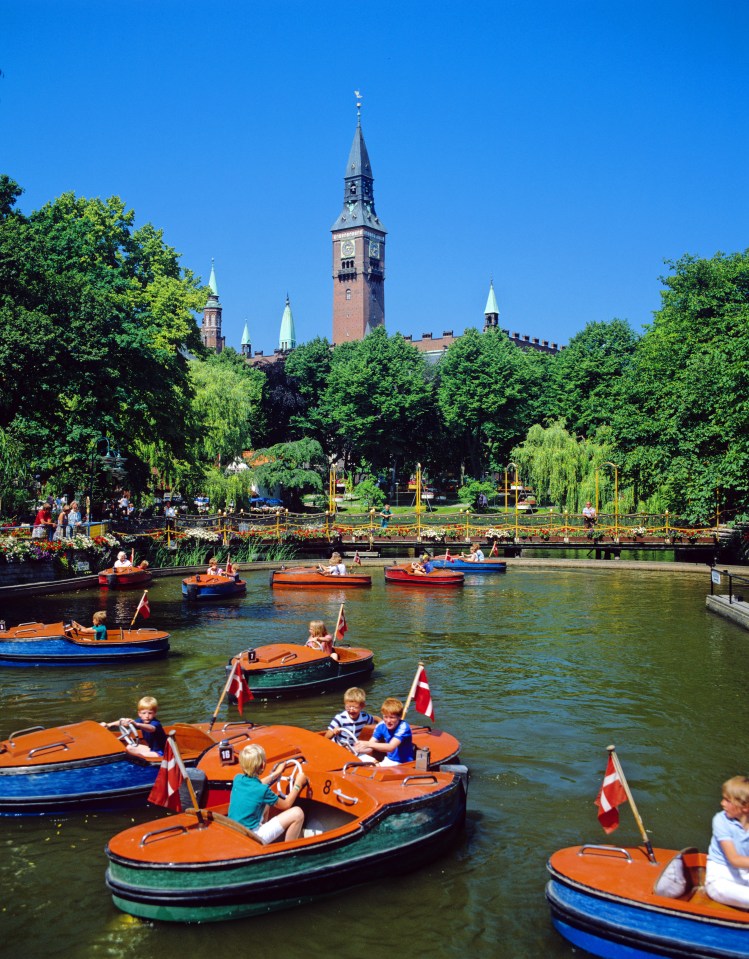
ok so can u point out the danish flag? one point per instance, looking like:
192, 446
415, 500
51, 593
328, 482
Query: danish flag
239, 689
165, 790
423, 696
342, 627
612, 794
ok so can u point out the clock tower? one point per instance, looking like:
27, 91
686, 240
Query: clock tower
358, 251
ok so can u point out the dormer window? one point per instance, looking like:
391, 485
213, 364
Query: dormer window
352, 189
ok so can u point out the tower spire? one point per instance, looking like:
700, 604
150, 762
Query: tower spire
491, 310
287, 337
210, 330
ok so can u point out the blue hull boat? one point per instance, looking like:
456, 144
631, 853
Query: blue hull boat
615, 903
198, 588
85, 766
464, 566
54, 644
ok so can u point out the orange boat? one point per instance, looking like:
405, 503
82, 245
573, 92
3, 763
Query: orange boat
405, 576
58, 644
362, 822
200, 587
289, 669
615, 902
309, 577
127, 578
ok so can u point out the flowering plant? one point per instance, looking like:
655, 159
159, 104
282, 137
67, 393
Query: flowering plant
502, 534
639, 530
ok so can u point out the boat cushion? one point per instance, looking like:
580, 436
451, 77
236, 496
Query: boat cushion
673, 882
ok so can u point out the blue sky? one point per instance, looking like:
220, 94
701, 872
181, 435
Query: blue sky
563, 149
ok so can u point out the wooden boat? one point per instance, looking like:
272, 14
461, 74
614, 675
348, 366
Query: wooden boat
288, 669
84, 766
362, 823
55, 644
309, 577
436, 749
404, 576
127, 578
460, 565
614, 902
202, 587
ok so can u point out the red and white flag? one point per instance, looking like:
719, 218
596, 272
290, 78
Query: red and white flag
165, 790
143, 608
423, 696
239, 689
448, 557
357, 558
612, 794
495, 551
342, 627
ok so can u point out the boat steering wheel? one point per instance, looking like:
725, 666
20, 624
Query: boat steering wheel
313, 644
290, 779
344, 737
128, 734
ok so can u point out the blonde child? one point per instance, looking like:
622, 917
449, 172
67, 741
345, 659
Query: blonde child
98, 630
320, 638
353, 718
250, 796
213, 567
151, 731
727, 878
391, 741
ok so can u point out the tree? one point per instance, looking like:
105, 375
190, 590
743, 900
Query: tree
376, 404
681, 415
583, 375
485, 395
296, 468
227, 403
98, 316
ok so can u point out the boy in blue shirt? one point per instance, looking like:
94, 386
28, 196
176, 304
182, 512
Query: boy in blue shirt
727, 878
391, 742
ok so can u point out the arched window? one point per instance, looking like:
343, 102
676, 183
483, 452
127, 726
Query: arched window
348, 294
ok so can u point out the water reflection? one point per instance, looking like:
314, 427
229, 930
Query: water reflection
536, 672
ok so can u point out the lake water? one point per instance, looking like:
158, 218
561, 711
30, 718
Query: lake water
536, 672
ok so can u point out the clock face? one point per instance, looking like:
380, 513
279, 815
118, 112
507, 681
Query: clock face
348, 248
374, 251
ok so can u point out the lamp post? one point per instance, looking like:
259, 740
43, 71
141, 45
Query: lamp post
516, 484
616, 496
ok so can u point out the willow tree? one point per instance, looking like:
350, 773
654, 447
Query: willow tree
561, 466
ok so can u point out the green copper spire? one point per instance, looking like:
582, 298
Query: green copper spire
287, 339
246, 341
212, 281
491, 308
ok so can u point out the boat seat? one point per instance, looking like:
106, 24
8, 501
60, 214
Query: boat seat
683, 876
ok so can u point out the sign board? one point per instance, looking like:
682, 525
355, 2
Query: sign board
82, 566
715, 577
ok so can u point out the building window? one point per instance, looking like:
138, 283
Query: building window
348, 294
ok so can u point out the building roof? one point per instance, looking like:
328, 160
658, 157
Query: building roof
287, 337
358, 190
246, 341
491, 302
212, 281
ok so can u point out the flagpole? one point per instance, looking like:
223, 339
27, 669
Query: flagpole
630, 797
224, 691
145, 593
413, 688
183, 771
337, 624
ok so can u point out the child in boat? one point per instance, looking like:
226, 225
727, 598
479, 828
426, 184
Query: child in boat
476, 555
727, 877
421, 566
150, 729
336, 567
391, 741
250, 795
99, 629
213, 567
122, 561
320, 638
354, 716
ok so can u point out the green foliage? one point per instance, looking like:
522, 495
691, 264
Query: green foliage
227, 396
98, 316
484, 396
470, 491
370, 494
294, 468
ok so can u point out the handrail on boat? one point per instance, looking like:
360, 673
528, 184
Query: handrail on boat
346, 800
22, 732
602, 848
354, 764
159, 832
39, 749
429, 777
287, 657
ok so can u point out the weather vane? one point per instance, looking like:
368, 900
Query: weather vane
357, 94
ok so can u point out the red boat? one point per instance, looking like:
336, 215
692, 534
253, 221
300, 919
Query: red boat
309, 577
127, 578
405, 576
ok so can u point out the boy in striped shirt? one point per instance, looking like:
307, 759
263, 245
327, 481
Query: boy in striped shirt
352, 719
